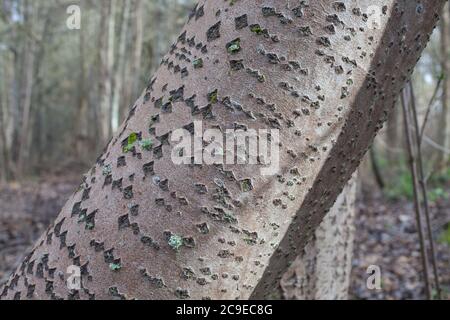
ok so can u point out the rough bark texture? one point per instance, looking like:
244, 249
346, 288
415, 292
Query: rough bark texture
314, 71
322, 272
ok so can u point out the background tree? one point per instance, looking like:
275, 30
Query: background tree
444, 132
322, 272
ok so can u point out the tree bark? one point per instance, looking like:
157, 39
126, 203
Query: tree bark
443, 127
322, 272
392, 135
26, 90
138, 41
7, 121
142, 227
38, 128
133, 66
6, 129
120, 68
81, 131
106, 43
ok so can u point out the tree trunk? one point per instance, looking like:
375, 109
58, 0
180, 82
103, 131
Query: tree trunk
133, 66
3, 143
138, 41
106, 43
443, 127
14, 106
120, 68
322, 271
142, 227
161, 8
81, 131
26, 90
7, 121
392, 135
38, 128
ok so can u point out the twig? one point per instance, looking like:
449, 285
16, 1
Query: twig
435, 145
418, 210
423, 185
430, 105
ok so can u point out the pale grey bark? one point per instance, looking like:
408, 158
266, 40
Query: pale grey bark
316, 72
106, 43
322, 272
132, 79
120, 68
139, 35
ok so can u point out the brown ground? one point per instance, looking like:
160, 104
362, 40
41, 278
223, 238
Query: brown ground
386, 236
25, 213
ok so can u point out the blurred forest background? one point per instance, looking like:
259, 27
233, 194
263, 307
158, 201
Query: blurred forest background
64, 92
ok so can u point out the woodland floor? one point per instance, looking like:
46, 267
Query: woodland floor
385, 236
